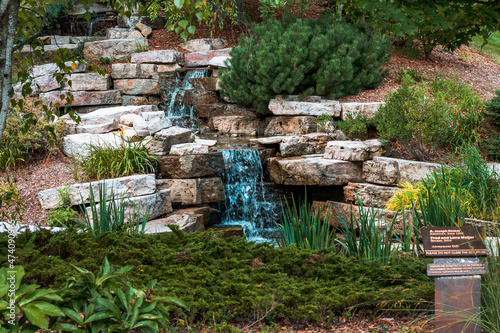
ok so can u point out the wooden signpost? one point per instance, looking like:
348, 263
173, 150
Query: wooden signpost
458, 281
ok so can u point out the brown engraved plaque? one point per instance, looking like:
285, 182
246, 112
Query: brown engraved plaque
446, 242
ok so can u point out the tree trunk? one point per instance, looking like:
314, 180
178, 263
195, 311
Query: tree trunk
9, 10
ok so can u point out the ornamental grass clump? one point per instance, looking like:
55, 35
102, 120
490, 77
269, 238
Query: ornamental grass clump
303, 56
113, 160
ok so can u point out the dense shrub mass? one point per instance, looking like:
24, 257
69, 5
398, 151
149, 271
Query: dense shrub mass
424, 115
225, 279
303, 56
17, 147
491, 144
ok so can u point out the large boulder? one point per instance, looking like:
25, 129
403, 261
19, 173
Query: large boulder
163, 140
137, 86
88, 81
131, 186
193, 191
195, 97
186, 223
84, 98
290, 125
133, 71
354, 151
77, 145
205, 83
204, 44
157, 57
188, 149
369, 194
313, 171
221, 109
117, 48
156, 204
369, 110
238, 125
191, 166
310, 106
200, 59
313, 143
389, 171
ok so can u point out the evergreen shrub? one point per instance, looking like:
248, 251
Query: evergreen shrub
491, 144
303, 56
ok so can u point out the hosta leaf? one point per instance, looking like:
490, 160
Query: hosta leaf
35, 316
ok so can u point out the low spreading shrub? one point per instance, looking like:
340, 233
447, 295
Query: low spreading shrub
303, 56
424, 116
229, 279
355, 127
17, 146
111, 160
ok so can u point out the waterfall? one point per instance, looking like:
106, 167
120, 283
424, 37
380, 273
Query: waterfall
247, 201
91, 27
182, 114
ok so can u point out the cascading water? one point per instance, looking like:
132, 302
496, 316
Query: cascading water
247, 201
182, 114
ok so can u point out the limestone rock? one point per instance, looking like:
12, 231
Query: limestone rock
89, 81
238, 125
191, 166
219, 61
117, 33
153, 114
134, 34
132, 186
195, 97
157, 57
117, 48
167, 67
144, 29
193, 191
137, 86
205, 83
163, 140
269, 141
140, 126
204, 44
186, 223
85, 98
293, 106
313, 143
369, 110
389, 171
156, 204
354, 151
43, 84
221, 109
290, 125
128, 119
200, 59
313, 171
157, 124
133, 71
368, 194
76, 145
134, 100
188, 149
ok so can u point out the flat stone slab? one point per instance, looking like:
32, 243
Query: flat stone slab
200, 59
238, 125
117, 48
293, 106
204, 44
88, 81
307, 144
193, 191
219, 61
156, 204
290, 125
84, 98
369, 194
133, 71
76, 145
137, 86
221, 109
191, 166
157, 57
188, 149
390, 171
313, 171
354, 150
268, 141
133, 186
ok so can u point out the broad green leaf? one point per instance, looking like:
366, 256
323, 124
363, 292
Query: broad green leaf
179, 3
183, 24
99, 316
73, 316
48, 309
35, 316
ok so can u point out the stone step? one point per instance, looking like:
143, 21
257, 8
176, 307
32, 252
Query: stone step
77, 145
392, 171
309, 106
113, 48
193, 191
163, 140
157, 57
191, 166
354, 151
84, 98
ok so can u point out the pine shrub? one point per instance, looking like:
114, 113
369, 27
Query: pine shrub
491, 144
303, 56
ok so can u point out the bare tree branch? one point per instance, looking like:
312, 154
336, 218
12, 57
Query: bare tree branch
35, 35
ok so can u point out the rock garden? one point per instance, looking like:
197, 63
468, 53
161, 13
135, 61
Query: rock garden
158, 174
